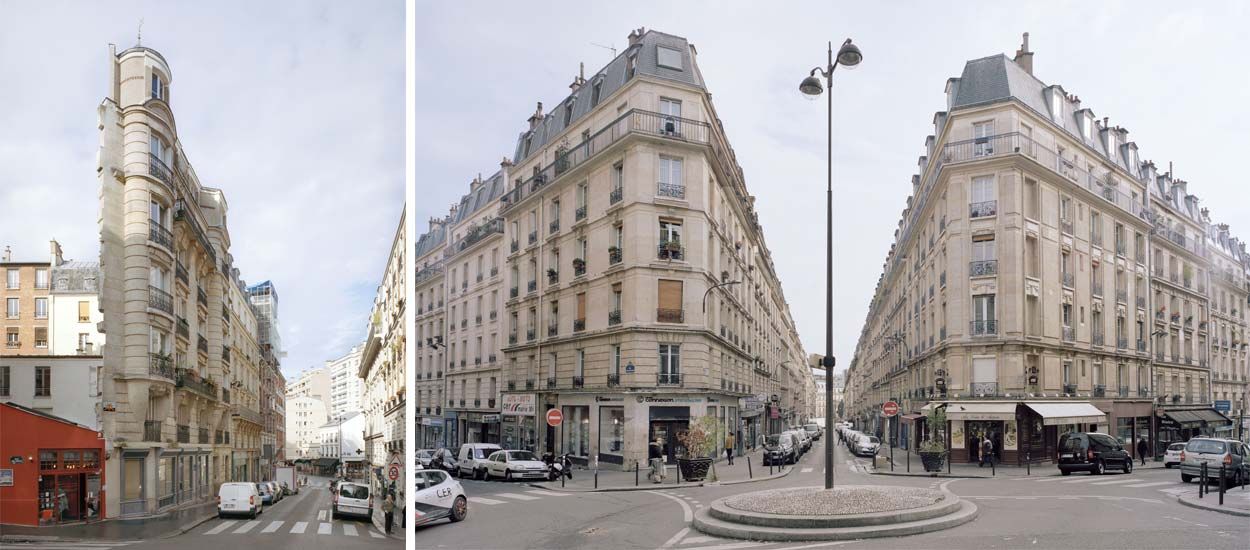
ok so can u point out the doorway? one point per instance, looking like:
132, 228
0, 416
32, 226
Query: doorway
669, 432
976, 433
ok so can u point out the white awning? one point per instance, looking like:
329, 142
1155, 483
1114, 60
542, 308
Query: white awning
925, 410
1058, 414
980, 411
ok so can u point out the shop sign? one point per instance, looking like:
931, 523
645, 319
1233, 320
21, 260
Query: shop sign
518, 404
6, 478
670, 399
750, 403
427, 421
776, 413
490, 419
605, 398
1223, 405
16, 459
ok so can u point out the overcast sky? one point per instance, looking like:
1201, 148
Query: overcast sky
295, 110
1175, 78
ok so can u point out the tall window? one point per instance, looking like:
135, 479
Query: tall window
983, 255
1031, 199
670, 232
618, 176
670, 364
671, 183
12, 278
981, 132
670, 301
983, 319
84, 312
159, 88
983, 197
580, 368
4, 380
12, 308
615, 366
43, 381
41, 308
41, 278
670, 107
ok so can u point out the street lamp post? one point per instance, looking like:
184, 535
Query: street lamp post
848, 56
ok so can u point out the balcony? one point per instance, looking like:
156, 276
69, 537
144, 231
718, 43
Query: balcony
491, 359
464, 363
579, 267
152, 430
616, 195
670, 250
160, 300
1069, 388
579, 382
1065, 226
464, 323
160, 365
983, 209
477, 403
1141, 345
1121, 343
533, 237
1141, 301
614, 255
983, 268
579, 325
201, 297
225, 353
1096, 288
219, 438
513, 292
160, 235
1098, 339
551, 382
1095, 239
202, 436
1120, 248
553, 329
512, 385
614, 380
668, 379
579, 214
182, 214
553, 276
494, 315
159, 170
1100, 390
184, 433
191, 380
1069, 280
512, 338
530, 335
983, 328
554, 226
494, 271
1069, 334
1143, 392
477, 319
529, 383
670, 190
614, 317
670, 315
984, 389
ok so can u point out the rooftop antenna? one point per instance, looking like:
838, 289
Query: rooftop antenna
140, 32
609, 47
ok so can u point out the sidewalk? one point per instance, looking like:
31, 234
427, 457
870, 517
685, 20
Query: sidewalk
972, 470
616, 480
1236, 500
165, 525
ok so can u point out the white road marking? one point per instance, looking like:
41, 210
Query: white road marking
321, 515
806, 470
325, 528
299, 527
376, 534
728, 546
349, 530
273, 526
222, 527
247, 526
697, 540
1046, 479
547, 493
676, 537
1187, 521
516, 496
1114, 482
1083, 479
486, 501
1155, 484
687, 513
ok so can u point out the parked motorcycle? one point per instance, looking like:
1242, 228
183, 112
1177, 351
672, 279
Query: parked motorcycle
558, 466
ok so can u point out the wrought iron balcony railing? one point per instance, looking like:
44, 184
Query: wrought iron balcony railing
670, 250
614, 317
670, 315
579, 325
668, 379
160, 235
670, 190
184, 433
983, 268
614, 255
160, 300
984, 389
614, 380
1069, 334
983, 328
579, 381
616, 195
160, 365
152, 430
580, 213
1069, 280
982, 209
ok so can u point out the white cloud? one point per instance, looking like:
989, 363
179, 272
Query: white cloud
295, 110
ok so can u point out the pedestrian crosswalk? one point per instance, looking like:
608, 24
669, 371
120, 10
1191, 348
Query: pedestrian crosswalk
76, 545
1172, 487
281, 527
508, 498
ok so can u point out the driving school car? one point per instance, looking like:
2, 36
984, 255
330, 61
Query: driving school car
439, 496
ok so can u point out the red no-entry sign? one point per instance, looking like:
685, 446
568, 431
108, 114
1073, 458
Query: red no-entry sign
554, 417
890, 408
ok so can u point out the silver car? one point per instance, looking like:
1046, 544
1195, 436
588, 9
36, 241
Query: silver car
1215, 453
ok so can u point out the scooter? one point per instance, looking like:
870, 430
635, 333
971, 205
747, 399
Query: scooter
558, 466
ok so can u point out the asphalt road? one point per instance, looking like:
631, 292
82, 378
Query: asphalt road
1134, 511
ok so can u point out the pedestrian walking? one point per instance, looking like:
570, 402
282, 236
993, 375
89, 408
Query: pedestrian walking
1143, 448
729, 448
656, 457
987, 452
388, 508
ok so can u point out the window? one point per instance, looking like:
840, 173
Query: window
568, 112
983, 197
12, 308
12, 338
580, 369
1031, 199
1095, 228
670, 232
41, 337
577, 431
4, 380
983, 314
12, 278
41, 278
668, 58
612, 432
581, 200
41, 308
159, 88
670, 363
581, 307
84, 312
671, 184
618, 176
981, 132
670, 107
615, 365
983, 248
43, 381
670, 301
595, 89
84, 342
631, 64
159, 342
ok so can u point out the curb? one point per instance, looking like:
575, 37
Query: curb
704, 522
1214, 508
948, 476
181, 530
653, 487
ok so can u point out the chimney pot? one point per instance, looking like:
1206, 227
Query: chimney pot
1024, 57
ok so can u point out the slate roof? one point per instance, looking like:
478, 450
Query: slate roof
486, 194
76, 277
432, 240
611, 78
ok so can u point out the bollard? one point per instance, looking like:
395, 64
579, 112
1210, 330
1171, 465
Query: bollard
770, 468
635, 473
679, 473
596, 478
948, 464
749, 475
1221, 484
1028, 465
992, 472
1202, 478
909, 460
561, 479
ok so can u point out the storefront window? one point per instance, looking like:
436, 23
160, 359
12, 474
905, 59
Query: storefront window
577, 431
165, 477
69, 460
47, 460
132, 477
611, 430
90, 459
1124, 432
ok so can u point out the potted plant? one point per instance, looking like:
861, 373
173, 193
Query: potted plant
698, 447
933, 449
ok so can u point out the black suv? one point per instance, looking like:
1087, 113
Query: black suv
1092, 452
779, 449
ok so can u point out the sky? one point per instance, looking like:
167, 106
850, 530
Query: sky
1171, 73
295, 110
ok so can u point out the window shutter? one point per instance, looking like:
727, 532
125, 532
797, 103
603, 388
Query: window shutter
670, 294
581, 305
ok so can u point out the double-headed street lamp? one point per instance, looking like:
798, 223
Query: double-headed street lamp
848, 56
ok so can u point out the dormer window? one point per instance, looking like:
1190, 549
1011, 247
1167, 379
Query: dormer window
568, 112
631, 64
668, 58
594, 92
1056, 104
160, 88
1086, 123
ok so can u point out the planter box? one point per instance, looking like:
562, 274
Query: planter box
932, 461
694, 469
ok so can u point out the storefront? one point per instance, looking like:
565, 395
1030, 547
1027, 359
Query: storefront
476, 427
430, 432
517, 422
1017, 431
971, 423
751, 425
912, 430
451, 435
51, 471
1041, 424
1179, 425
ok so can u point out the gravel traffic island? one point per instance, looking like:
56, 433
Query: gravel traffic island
848, 512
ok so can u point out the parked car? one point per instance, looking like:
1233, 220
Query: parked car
443, 459
424, 456
867, 445
1172, 457
779, 449
1214, 452
439, 496
265, 492
805, 441
277, 491
814, 431
1092, 452
352, 499
798, 441
511, 465
472, 457
239, 498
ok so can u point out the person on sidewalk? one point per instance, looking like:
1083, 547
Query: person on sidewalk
1143, 449
987, 452
729, 448
656, 457
388, 509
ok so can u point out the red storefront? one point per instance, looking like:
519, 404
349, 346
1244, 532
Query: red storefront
51, 469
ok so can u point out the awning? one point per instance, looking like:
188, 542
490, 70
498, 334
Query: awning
1186, 419
911, 417
326, 462
1212, 417
1058, 414
925, 410
980, 411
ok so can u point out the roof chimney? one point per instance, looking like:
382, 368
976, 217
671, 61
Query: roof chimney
635, 36
537, 117
57, 259
580, 79
1024, 57
8, 254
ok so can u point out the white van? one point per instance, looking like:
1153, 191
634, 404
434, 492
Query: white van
352, 499
239, 498
472, 459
